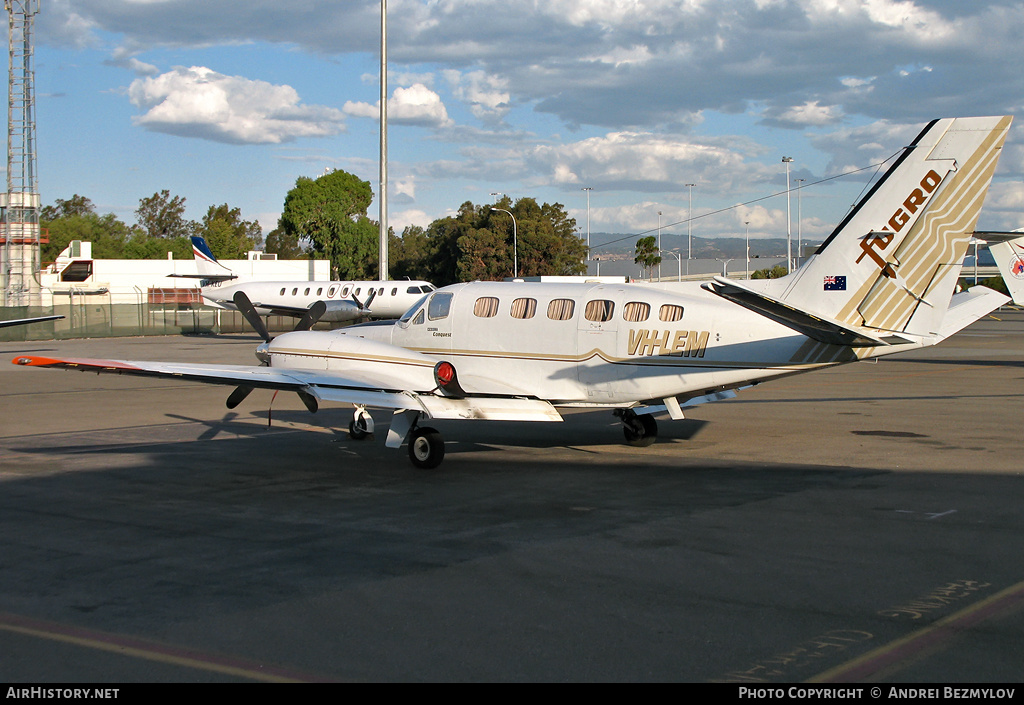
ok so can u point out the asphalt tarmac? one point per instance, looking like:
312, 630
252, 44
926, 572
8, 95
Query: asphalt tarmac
862, 523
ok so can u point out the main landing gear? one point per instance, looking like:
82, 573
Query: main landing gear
640, 430
426, 446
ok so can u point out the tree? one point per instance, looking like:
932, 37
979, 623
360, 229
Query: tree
76, 205
162, 216
479, 242
647, 253
228, 236
775, 272
284, 245
107, 234
330, 212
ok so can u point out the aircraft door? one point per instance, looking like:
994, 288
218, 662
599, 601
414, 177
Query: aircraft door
597, 333
438, 324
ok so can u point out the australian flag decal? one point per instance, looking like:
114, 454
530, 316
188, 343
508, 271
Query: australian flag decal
835, 283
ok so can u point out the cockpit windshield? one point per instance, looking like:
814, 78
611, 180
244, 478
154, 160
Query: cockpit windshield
407, 316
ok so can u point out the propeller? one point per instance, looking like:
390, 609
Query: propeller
246, 308
364, 309
307, 321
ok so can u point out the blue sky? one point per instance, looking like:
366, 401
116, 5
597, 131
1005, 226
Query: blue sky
231, 101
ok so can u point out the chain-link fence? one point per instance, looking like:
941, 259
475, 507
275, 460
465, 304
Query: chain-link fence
89, 319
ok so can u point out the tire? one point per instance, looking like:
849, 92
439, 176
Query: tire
640, 430
426, 448
356, 432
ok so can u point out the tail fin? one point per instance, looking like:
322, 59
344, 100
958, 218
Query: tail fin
206, 263
1009, 256
891, 266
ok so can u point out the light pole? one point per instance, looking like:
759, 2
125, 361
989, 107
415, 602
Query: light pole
659, 244
515, 243
799, 221
789, 220
747, 238
679, 260
689, 238
588, 190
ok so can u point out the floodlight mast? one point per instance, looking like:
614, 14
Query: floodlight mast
20, 239
383, 196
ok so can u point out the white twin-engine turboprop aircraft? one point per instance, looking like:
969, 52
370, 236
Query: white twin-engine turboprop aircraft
882, 283
342, 300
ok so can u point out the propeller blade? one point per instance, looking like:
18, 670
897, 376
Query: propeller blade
312, 315
309, 400
238, 396
244, 305
369, 300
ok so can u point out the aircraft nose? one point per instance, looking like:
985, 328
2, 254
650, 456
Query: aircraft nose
263, 353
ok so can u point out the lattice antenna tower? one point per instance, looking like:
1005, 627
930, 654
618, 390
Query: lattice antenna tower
20, 205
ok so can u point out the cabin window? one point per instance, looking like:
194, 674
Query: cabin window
344, 292
295, 291
306, 292
282, 292
356, 292
524, 308
561, 309
394, 291
599, 310
380, 292
439, 306
485, 307
636, 312
671, 312
332, 291
319, 290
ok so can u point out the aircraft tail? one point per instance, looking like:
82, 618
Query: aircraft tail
1009, 256
206, 263
888, 272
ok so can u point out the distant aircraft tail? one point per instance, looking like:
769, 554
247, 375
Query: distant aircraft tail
206, 263
1009, 256
887, 273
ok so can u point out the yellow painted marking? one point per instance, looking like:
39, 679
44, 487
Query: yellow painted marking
150, 651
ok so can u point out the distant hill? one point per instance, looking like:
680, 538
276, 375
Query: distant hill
703, 248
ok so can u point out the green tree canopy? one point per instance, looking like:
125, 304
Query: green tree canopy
76, 205
163, 216
647, 255
480, 242
330, 212
228, 236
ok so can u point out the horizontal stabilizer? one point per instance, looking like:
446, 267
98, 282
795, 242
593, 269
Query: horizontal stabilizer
814, 326
206, 277
968, 306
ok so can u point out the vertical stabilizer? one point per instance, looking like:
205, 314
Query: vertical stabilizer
206, 264
1009, 258
893, 263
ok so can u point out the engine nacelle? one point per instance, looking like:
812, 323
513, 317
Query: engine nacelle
339, 311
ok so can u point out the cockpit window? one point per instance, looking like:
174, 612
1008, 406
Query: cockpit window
407, 316
439, 306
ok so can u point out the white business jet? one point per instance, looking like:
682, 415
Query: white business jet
343, 300
882, 283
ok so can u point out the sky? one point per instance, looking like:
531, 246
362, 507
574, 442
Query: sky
231, 101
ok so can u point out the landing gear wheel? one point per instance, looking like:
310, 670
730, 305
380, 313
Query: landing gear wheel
641, 430
426, 448
361, 425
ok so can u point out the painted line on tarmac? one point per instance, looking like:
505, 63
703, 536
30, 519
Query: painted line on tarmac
133, 647
893, 656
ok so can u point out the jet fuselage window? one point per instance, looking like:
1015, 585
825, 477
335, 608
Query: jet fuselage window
394, 291
636, 312
344, 292
295, 291
413, 290
599, 310
670, 312
439, 306
561, 309
282, 291
332, 291
356, 292
306, 292
524, 308
485, 307
319, 290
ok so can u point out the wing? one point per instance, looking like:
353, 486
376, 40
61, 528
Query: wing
400, 389
26, 321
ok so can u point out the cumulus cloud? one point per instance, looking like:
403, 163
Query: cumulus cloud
199, 102
414, 105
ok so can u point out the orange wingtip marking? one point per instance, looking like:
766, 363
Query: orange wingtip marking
36, 361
